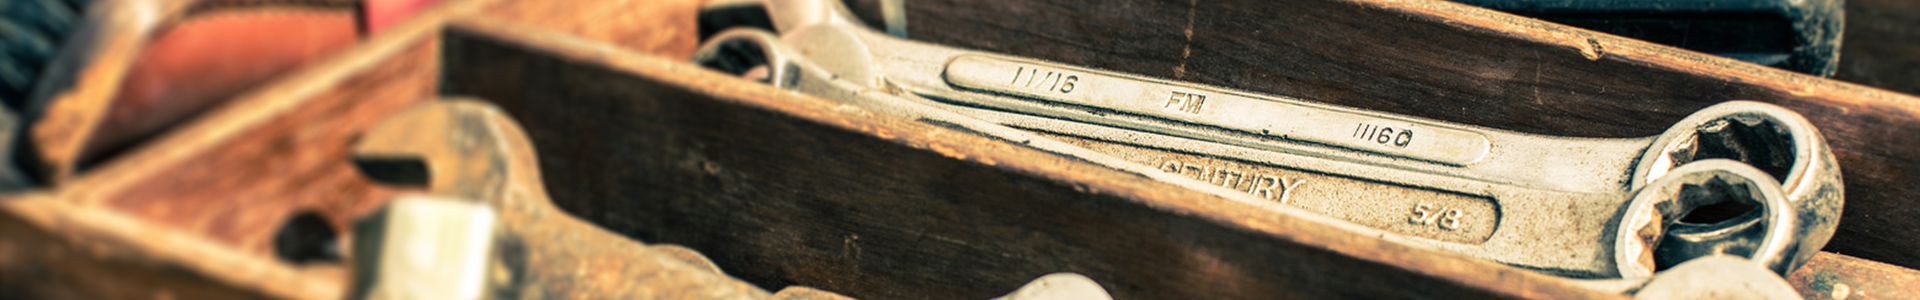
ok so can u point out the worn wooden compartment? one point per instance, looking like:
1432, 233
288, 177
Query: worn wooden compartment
781, 189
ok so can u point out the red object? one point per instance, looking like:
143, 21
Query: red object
381, 14
203, 61
199, 63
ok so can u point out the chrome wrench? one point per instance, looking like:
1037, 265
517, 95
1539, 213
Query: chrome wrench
1580, 207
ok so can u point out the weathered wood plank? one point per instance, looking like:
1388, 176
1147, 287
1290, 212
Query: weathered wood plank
659, 27
1840, 277
1882, 45
46, 262
191, 263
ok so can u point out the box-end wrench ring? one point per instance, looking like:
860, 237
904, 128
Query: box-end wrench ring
1763, 235
1809, 181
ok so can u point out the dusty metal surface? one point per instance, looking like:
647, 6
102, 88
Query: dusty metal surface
1716, 277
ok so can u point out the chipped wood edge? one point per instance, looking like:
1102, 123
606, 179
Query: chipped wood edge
1595, 45
113, 236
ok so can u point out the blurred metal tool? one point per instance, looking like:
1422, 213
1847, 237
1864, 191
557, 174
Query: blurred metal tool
494, 224
426, 248
484, 229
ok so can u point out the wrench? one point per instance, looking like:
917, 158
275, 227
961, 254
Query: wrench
485, 229
1764, 182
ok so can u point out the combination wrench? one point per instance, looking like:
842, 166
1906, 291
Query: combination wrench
1740, 178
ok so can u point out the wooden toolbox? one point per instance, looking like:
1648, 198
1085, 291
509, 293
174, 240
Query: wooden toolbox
781, 189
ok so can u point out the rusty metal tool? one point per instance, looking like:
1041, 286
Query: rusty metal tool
1739, 178
484, 228
470, 151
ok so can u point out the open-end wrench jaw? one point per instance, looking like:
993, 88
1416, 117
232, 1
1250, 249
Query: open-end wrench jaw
460, 149
741, 51
473, 166
494, 223
822, 35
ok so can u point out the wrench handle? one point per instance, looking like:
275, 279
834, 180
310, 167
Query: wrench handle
1266, 117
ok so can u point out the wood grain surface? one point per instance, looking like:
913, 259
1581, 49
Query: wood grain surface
658, 27
40, 264
240, 191
1881, 47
